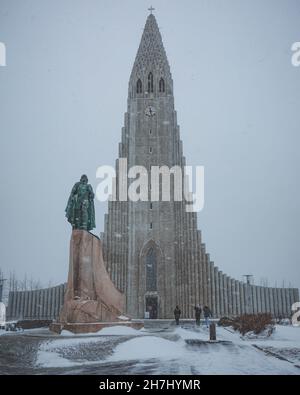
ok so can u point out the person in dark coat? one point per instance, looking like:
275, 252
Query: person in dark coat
177, 313
207, 314
198, 312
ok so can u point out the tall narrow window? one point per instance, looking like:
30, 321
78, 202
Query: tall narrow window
150, 150
151, 265
161, 85
150, 83
139, 87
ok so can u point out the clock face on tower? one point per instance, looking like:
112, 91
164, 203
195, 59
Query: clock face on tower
150, 111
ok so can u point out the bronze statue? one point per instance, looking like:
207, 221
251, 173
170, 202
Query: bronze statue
80, 209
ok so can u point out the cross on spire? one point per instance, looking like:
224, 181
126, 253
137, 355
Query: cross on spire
151, 9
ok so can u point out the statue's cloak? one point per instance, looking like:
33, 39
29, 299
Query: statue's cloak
71, 205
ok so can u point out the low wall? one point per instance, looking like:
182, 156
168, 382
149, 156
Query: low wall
40, 304
45, 304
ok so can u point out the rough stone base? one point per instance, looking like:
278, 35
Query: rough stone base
90, 294
85, 311
57, 327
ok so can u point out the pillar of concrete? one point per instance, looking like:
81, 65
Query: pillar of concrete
242, 298
8, 310
217, 292
21, 304
283, 298
47, 303
293, 296
229, 295
12, 302
62, 295
18, 304
263, 299
208, 280
33, 310
258, 294
56, 308
221, 293
275, 301
272, 309
238, 297
42, 302
233, 297
267, 300
26, 296
15, 305
254, 298
288, 302
279, 299
213, 288
247, 296
225, 282
52, 296
204, 281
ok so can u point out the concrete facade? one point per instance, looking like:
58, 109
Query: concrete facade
184, 274
42, 304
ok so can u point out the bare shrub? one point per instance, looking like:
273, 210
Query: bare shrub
256, 323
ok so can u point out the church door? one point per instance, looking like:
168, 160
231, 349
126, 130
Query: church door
152, 306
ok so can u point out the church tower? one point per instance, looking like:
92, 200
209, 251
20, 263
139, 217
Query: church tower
153, 249
143, 258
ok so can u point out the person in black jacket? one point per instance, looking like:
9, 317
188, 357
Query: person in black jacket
197, 314
177, 313
207, 314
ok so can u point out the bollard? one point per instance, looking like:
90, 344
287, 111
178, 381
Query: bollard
212, 332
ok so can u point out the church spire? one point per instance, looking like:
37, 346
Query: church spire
151, 9
151, 56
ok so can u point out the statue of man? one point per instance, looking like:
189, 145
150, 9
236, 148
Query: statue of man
80, 209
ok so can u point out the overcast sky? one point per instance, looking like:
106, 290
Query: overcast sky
62, 101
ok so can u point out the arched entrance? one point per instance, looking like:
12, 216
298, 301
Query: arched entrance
151, 280
151, 303
151, 300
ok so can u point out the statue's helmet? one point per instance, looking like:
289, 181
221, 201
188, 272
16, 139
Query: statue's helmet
84, 178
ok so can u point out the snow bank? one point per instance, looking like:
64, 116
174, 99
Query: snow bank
186, 334
287, 333
48, 353
147, 347
283, 337
53, 360
117, 330
123, 318
65, 343
237, 357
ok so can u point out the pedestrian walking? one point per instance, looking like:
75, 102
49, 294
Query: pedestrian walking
177, 313
207, 315
198, 311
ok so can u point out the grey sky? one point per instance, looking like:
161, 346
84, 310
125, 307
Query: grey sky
62, 102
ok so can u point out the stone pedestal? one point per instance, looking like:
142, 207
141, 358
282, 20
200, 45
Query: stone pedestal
90, 297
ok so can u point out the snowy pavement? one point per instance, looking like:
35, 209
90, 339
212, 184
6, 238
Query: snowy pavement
125, 350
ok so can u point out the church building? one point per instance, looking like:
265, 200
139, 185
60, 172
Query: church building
153, 250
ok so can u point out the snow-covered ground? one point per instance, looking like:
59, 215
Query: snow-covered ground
183, 351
